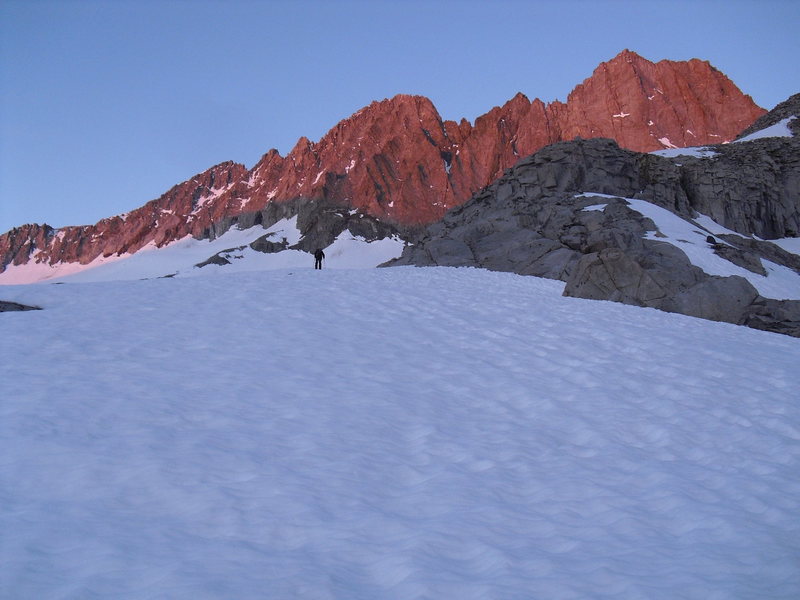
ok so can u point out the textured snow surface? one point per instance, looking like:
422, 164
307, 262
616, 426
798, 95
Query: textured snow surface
789, 244
390, 433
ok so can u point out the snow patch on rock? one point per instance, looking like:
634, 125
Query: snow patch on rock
780, 129
780, 282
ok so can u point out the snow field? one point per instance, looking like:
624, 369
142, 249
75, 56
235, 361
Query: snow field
390, 433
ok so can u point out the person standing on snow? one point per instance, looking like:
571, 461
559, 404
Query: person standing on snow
318, 256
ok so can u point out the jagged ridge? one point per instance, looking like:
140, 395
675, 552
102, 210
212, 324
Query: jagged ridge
398, 161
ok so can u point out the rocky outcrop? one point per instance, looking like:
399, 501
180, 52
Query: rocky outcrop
15, 306
785, 110
660, 276
319, 223
565, 213
399, 162
773, 315
751, 187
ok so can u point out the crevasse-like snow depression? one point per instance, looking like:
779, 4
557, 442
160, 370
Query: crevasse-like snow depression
391, 433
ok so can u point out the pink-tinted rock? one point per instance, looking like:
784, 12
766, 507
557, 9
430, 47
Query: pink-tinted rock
398, 161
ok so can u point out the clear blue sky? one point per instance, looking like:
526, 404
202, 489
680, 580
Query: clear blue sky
105, 105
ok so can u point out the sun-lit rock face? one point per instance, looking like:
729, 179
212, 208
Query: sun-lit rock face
647, 106
398, 161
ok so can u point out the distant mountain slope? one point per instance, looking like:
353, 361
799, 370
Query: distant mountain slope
351, 241
398, 161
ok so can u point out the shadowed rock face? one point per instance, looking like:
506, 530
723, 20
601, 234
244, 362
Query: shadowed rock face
319, 222
533, 221
15, 307
398, 161
750, 187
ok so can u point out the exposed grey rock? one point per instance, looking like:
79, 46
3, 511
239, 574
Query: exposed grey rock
714, 298
780, 316
218, 258
752, 187
320, 222
612, 274
533, 221
271, 214
15, 306
660, 276
449, 252
765, 250
267, 246
742, 258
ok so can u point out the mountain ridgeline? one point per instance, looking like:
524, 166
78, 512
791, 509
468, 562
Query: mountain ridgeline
595, 192
399, 162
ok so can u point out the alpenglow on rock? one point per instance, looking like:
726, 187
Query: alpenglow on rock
674, 233
397, 160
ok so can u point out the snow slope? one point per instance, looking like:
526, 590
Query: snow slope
780, 129
178, 259
696, 151
390, 433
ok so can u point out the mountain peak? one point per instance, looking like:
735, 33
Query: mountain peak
628, 56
